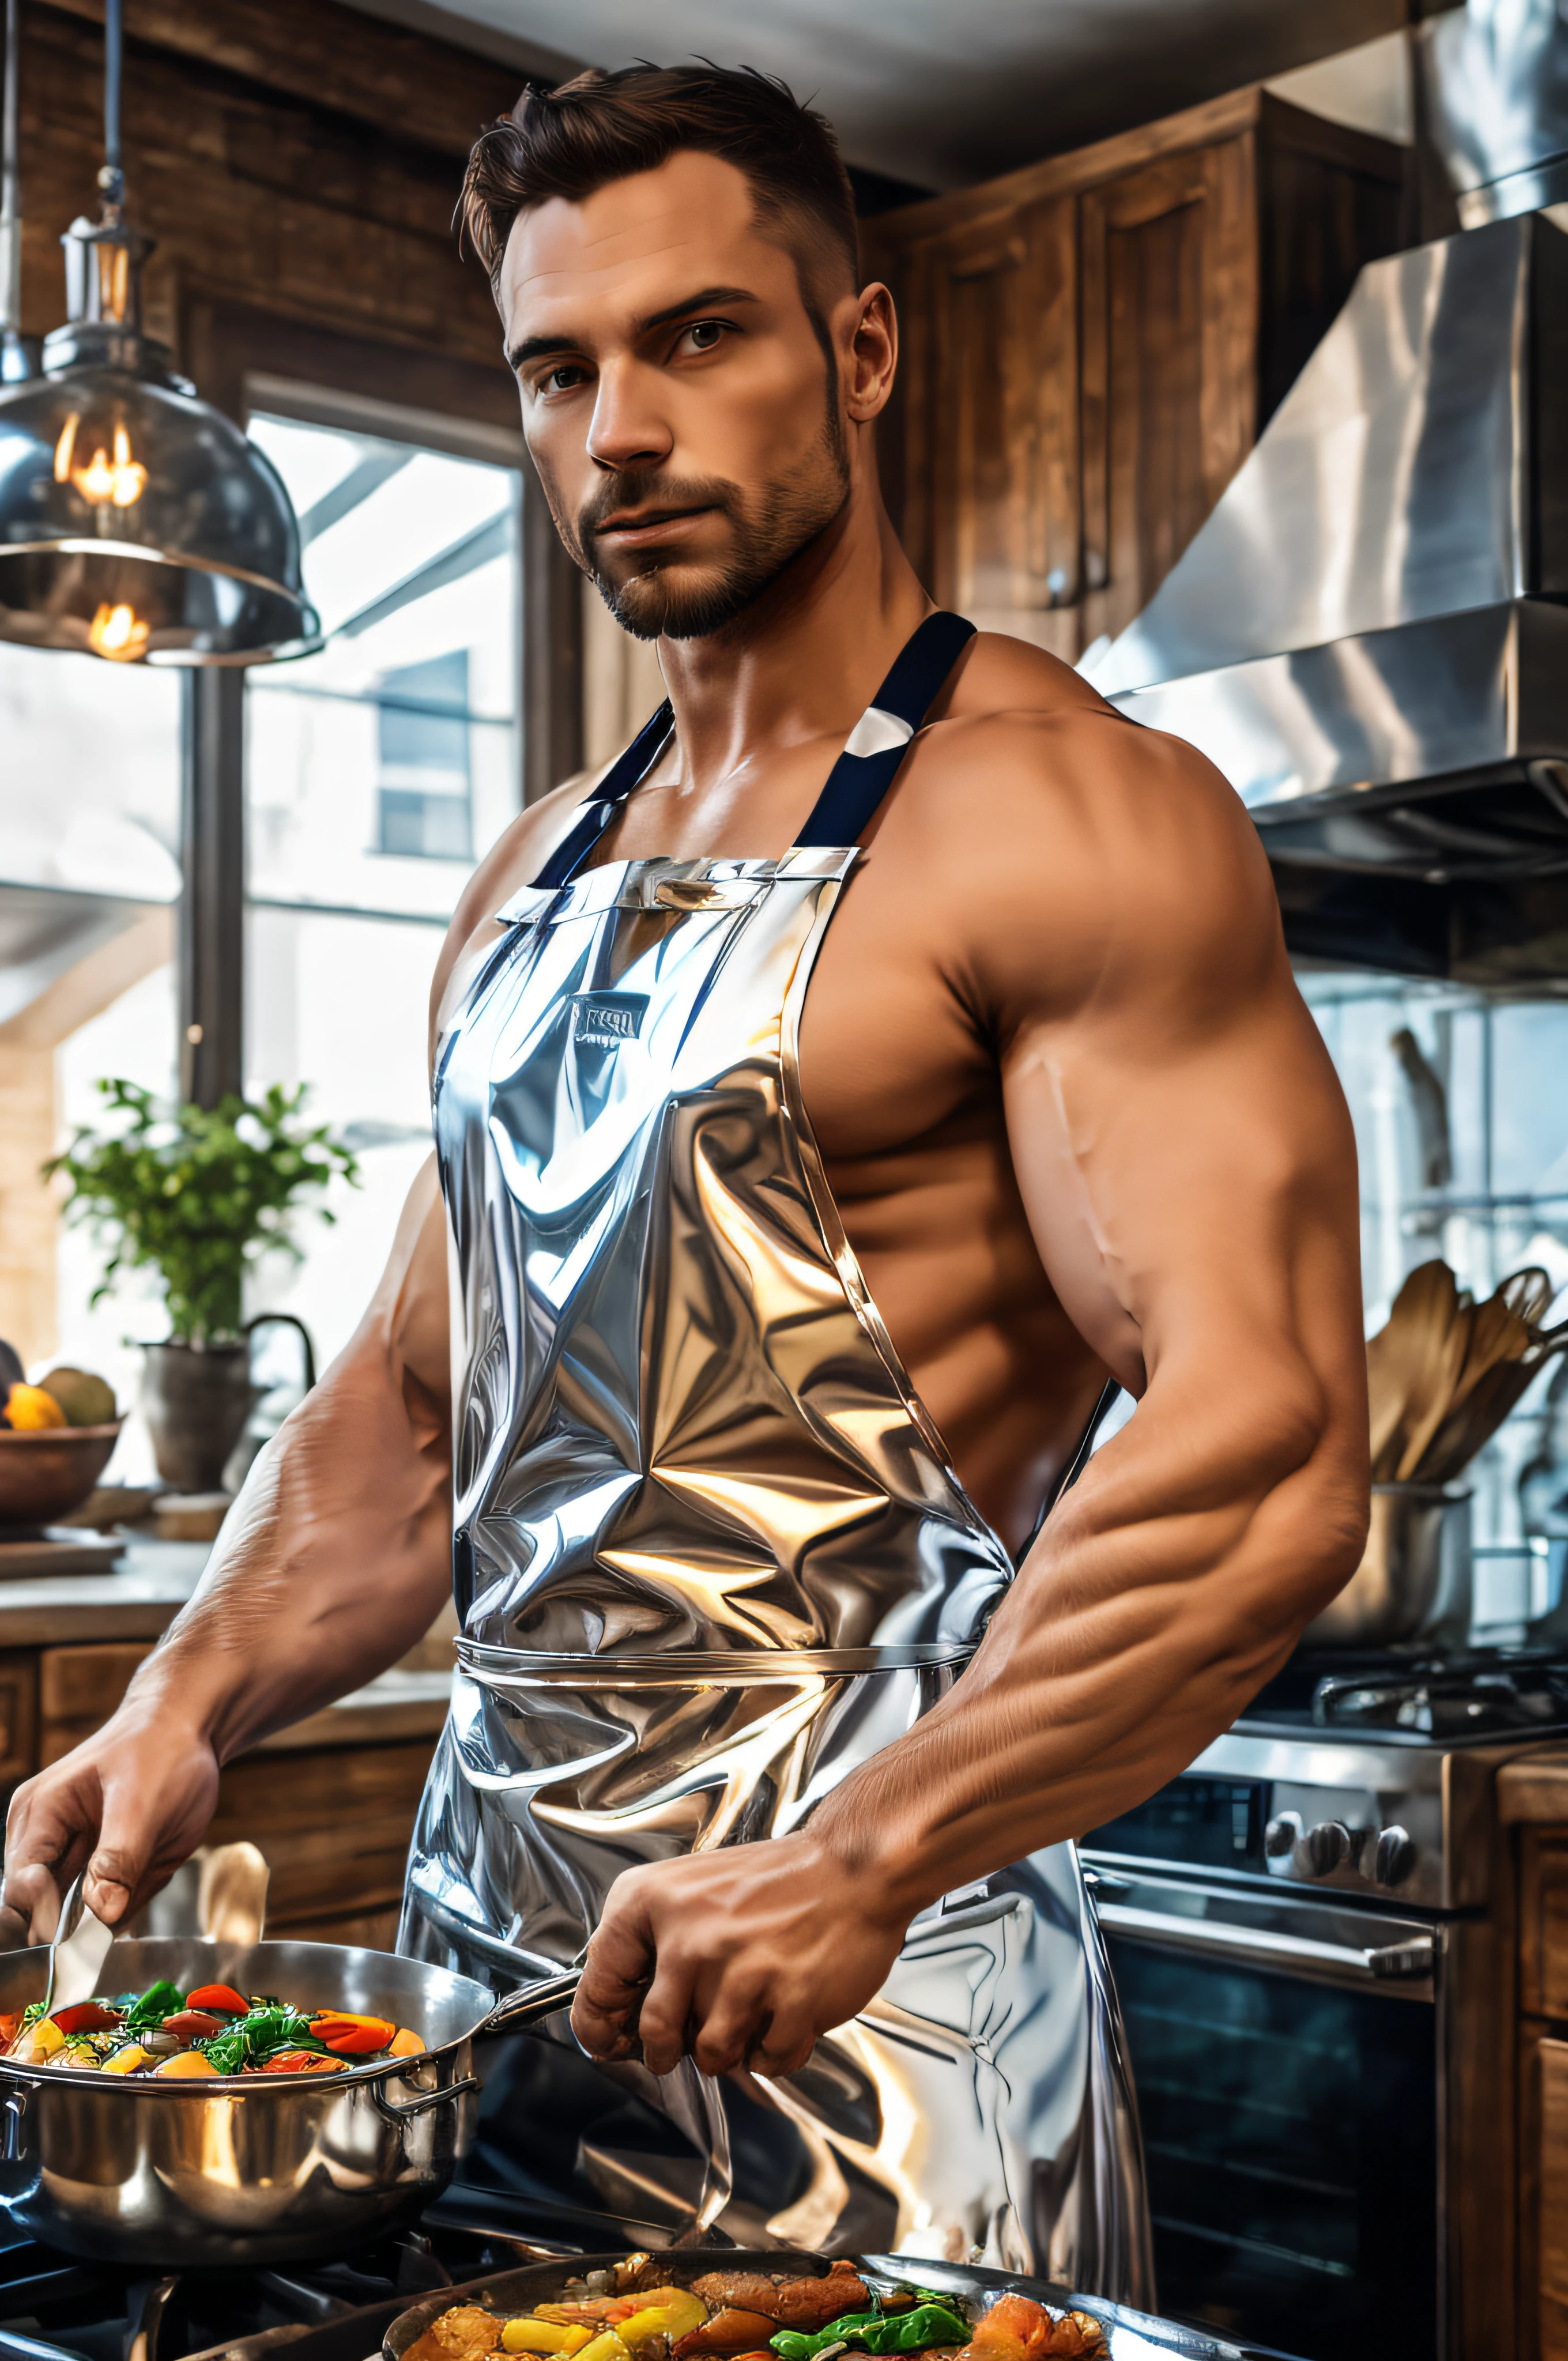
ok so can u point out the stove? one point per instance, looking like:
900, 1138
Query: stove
55, 2307
1297, 1929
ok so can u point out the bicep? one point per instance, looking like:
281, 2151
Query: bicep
1181, 1143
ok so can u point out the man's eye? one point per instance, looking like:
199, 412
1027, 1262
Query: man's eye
703, 334
562, 380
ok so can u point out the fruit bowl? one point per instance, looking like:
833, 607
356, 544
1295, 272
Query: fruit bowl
46, 1472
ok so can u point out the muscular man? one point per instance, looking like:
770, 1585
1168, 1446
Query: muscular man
779, 1314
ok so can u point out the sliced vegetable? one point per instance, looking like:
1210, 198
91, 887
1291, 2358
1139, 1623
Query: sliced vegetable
42, 2039
80, 2054
303, 2062
159, 2000
192, 2025
352, 2036
543, 2336
128, 2059
223, 1997
606, 2346
87, 2016
405, 2044
250, 2041
184, 2065
874, 2331
667, 2311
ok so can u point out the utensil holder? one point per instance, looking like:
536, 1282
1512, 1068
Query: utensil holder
1413, 1584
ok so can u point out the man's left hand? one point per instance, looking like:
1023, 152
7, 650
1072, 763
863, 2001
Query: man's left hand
741, 1956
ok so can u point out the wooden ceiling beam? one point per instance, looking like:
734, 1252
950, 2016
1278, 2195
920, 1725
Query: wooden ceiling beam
412, 87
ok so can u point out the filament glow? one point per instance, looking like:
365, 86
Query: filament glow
118, 633
120, 480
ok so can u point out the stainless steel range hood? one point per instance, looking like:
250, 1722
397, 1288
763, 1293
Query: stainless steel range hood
1362, 635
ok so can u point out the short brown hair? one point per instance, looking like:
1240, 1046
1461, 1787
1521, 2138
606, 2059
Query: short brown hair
600, 128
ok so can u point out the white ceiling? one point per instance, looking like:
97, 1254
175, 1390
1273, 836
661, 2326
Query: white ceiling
940, 93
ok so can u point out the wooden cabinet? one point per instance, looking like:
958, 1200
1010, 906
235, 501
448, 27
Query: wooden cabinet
1090, 345
333, 1817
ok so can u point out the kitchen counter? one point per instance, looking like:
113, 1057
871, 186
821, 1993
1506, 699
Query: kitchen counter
138, 1599
330, 1801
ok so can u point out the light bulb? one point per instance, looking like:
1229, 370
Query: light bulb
119, 480
118, 633
64, 447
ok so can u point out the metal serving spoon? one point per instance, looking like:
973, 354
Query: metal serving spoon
78, 1951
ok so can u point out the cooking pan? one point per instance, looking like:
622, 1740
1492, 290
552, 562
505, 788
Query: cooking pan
257, 2169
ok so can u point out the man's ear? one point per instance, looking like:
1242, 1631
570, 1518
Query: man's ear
874, 352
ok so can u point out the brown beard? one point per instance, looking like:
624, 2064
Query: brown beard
667, 597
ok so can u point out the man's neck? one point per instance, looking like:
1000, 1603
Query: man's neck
805, 658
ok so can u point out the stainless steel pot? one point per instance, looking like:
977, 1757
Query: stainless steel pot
258, 2168
1413, 1584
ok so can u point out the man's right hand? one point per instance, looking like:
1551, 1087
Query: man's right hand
132, 1802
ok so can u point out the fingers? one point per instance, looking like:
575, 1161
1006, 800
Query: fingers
121, 1873
615, 1976
50, 1828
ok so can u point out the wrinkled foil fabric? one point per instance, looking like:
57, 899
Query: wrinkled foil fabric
711, 1557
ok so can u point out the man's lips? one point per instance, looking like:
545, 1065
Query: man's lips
637, 527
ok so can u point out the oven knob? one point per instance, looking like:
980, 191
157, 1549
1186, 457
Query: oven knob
1282, 1835
1327, 1846
1393, 1857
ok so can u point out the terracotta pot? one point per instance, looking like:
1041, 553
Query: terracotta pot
195, 1399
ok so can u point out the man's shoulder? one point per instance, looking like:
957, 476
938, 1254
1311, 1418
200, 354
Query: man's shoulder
1024, 745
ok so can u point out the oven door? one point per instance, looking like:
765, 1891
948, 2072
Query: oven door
1284, 2053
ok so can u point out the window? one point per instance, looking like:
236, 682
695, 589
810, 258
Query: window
1462, 1135
376, 773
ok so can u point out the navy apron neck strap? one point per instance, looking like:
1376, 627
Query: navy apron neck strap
880, 739
628, 771
858, 780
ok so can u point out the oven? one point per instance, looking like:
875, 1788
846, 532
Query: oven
1285, 2044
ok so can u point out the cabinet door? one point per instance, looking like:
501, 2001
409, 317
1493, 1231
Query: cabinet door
1169, 273
989, 460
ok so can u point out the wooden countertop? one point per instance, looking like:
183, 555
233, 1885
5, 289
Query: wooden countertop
140, 1598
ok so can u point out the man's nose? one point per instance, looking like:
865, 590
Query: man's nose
627, 429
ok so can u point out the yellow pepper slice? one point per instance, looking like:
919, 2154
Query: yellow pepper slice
545, 2336
606, 2346
185, 2065
47, 2041
126, 2060
669, 2312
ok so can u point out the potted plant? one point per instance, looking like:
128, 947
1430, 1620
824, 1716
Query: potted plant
198, 1195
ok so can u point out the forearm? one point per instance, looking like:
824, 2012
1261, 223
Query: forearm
333, 1562
1162, 1591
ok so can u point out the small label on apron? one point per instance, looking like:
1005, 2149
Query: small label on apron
603, 1020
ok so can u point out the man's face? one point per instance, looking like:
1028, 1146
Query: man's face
679, 406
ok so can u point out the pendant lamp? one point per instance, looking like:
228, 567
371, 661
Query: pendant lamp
136, 521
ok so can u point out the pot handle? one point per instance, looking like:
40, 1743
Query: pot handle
529, 2002
13, 2133
397, 2111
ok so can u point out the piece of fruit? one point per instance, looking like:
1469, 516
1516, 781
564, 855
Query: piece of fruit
185, 2064
30, 1410
86, 1400
126, 2060
543, 2336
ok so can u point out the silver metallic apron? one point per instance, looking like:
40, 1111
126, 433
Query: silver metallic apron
711, 1557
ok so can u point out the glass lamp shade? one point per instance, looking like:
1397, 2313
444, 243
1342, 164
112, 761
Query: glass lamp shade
136, 523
